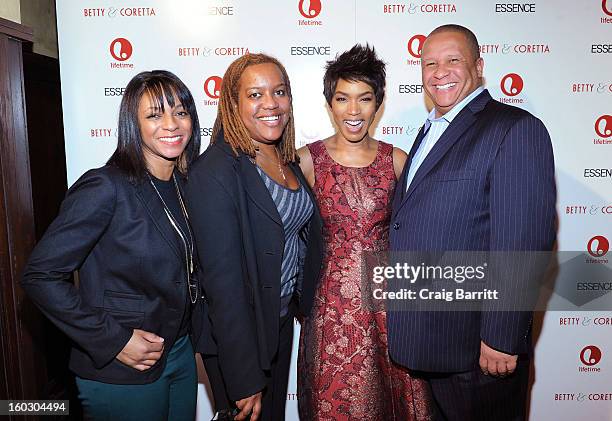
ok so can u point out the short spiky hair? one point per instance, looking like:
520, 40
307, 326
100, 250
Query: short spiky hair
469, 36
359, 64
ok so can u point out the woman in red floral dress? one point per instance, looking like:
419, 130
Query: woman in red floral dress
344, 368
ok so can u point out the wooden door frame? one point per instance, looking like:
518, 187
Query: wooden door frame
21, 366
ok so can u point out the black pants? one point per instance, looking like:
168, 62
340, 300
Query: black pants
275, 392
472, 396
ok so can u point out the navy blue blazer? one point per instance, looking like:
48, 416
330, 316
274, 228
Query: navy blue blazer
132, 274
240, 239
488, 184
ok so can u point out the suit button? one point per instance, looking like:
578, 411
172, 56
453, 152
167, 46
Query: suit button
396, 226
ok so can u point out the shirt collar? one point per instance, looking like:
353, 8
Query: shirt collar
449, 116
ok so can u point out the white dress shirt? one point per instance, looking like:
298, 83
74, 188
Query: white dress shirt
434, 128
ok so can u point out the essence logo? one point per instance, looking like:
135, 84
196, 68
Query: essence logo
212, 88
310, 10
114, 91
598, 246
603, 126
121, 50
601, 49
515, 7
511, 85
206, 131
598, 173
415, 45
221, 11
415, 88
590, 356
312, 50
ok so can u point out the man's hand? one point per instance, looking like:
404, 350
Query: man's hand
142, 350
496, 363
250, 405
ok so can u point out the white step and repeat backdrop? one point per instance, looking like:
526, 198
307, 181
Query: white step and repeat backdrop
551, 57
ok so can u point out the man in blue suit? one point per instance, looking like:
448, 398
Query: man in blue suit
479, 177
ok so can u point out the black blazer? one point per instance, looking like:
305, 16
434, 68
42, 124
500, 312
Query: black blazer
240, 239
488, 184
132, 274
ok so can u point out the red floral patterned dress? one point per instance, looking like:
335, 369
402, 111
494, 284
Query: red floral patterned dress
344, 371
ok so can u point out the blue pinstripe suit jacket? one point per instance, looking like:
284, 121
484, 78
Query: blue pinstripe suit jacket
487, 185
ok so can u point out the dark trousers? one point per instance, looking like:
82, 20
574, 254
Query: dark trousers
275, 393
171, 397
472, 396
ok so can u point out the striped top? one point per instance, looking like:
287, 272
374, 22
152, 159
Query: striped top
295, 209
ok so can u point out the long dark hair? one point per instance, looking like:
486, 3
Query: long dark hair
159, 84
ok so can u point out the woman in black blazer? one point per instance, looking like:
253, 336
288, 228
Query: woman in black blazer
258, 234
125, 228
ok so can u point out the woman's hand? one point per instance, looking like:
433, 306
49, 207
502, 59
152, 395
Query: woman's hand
142, 351
250, 405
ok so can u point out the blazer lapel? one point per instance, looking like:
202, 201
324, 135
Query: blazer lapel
451, 135
400, 188
256, 189
415, 147
155, 209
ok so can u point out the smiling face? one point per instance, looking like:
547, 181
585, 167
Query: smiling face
449, 69
263, 102
353, 108
165, 133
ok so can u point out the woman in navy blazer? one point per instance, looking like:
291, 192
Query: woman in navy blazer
242, 192
124, 227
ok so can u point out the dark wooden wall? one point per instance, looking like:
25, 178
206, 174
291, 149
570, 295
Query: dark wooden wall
20, 367
33, 354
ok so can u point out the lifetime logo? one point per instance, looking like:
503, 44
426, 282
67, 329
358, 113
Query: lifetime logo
603, 126
590, 355
121, 49
415, 45
512, 84
598, 246
212, 86
604, 7
311, 10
